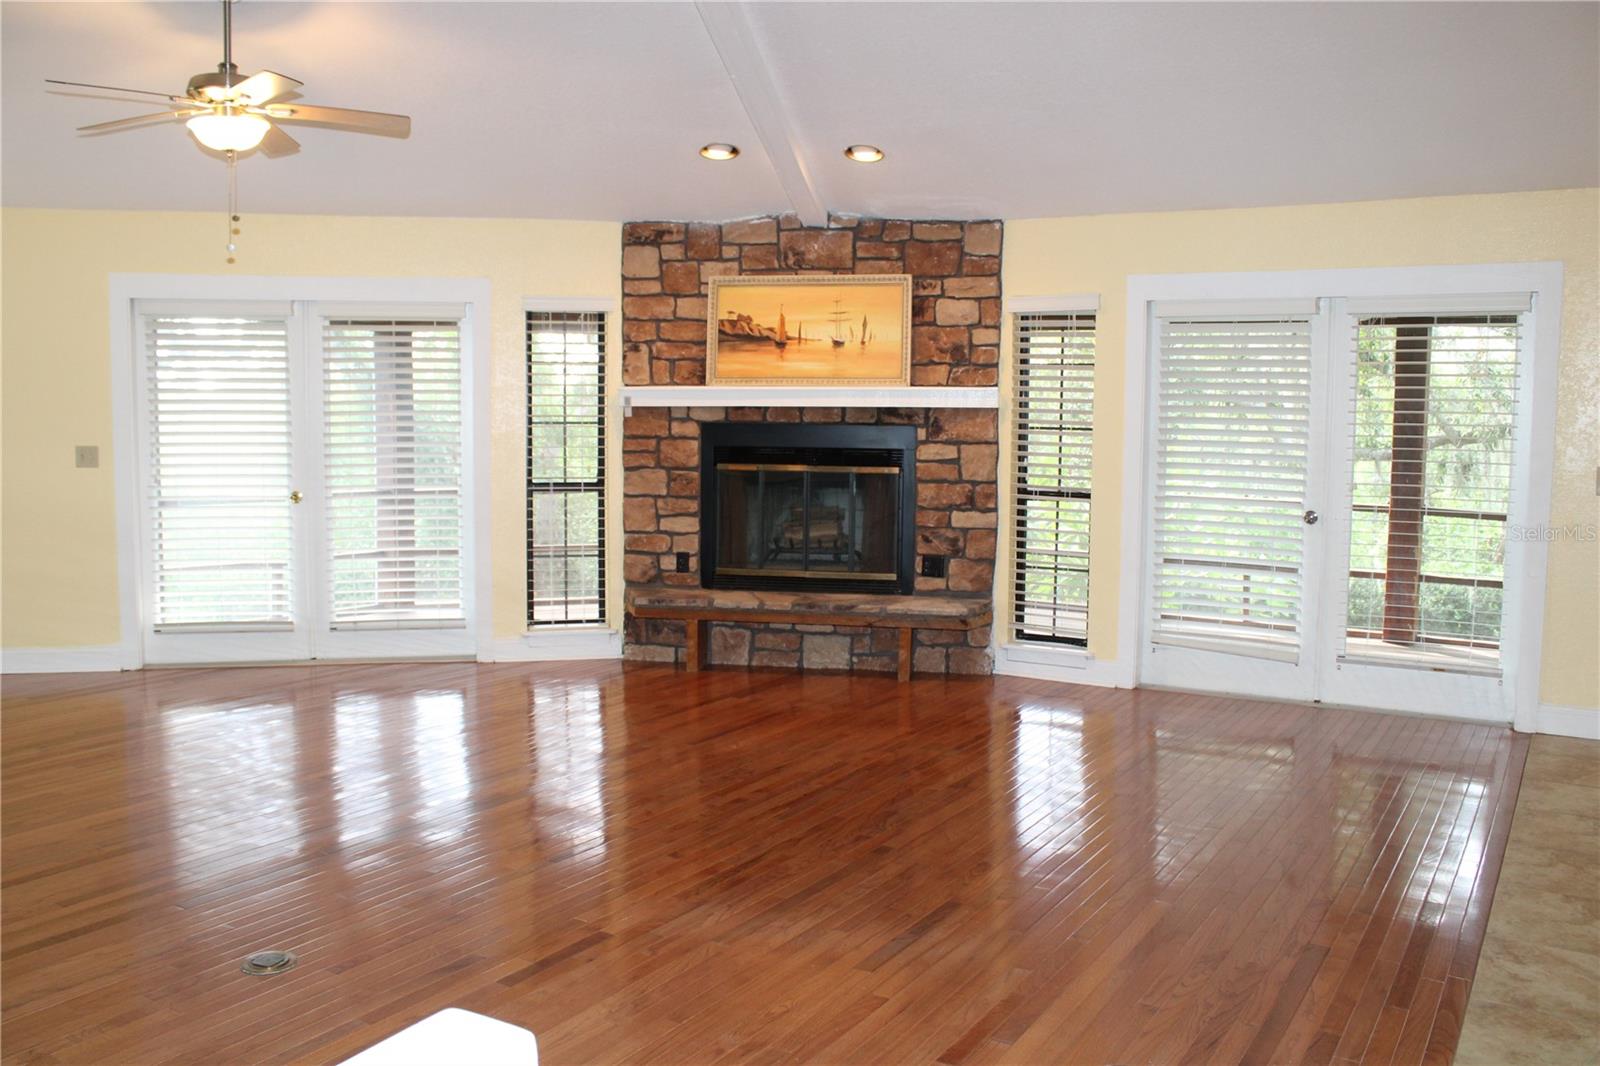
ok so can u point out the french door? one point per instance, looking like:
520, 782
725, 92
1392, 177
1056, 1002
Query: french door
1237, 465
302, 488
1331, 483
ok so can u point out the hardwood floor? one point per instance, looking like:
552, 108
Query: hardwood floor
645, 865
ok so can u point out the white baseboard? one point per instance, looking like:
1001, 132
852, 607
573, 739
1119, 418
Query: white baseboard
93, 658
1070, 665
555, 645
535, 647
1580, 722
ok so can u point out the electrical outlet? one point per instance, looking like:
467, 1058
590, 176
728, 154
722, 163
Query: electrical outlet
86, 456
934, 565
683, 562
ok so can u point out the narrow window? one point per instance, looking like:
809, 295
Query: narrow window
1432, 480
1054, 404
566, 468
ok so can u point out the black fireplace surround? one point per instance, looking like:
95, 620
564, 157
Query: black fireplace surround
821, 508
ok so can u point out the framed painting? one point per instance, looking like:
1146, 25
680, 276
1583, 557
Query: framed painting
809, 329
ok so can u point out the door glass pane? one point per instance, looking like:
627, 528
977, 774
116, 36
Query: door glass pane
1232, 441
1431, 479
219, 477
392, 449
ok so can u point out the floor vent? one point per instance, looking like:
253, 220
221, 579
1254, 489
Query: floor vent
265, 963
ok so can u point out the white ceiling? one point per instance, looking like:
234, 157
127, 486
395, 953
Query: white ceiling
561, 110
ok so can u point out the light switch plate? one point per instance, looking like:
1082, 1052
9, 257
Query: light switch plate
86, 455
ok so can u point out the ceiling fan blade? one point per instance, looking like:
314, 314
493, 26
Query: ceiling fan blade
277, 143
265, 87
118, 89
342, 117
137, 120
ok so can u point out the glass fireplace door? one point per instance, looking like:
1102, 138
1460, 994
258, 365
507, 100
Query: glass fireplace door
780, 520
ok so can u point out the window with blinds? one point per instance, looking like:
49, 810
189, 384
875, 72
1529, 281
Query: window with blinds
1432, 416
1233, 432
219, 472
1054, 425
392, 453
566, 468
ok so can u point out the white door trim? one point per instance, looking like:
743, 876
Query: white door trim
1535, 434
128, 289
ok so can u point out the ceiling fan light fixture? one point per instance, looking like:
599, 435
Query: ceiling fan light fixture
863, 153
720, 152
228, 130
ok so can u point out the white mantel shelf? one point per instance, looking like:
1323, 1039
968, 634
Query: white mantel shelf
798, 396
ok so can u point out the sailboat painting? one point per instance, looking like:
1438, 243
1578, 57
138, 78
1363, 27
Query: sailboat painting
809, 329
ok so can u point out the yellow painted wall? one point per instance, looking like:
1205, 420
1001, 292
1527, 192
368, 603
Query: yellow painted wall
58, 561
1096, 254
57, 528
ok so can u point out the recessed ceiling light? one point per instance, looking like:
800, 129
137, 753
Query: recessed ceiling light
864, 153
720, 151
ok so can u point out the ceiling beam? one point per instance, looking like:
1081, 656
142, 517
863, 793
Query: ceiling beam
728, 26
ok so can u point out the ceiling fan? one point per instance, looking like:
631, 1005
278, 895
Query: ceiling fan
227, 113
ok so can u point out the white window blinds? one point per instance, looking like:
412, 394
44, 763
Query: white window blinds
1431, 424
566, 467
1054, 406
1233, 426
392, 453
218, 470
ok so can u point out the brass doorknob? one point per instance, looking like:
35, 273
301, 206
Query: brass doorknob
295, 497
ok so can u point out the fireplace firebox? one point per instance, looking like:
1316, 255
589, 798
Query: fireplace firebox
807, 507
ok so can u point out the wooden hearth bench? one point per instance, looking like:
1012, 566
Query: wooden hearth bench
696, 607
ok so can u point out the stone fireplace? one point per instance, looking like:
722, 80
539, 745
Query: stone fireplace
952, 519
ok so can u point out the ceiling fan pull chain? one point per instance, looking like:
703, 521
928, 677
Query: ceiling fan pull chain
233, 203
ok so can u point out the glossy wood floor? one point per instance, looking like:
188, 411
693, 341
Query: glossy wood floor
644, 865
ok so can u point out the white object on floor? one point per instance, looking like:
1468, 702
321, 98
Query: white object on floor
453, 1036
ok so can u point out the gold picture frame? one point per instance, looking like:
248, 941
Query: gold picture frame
838, 330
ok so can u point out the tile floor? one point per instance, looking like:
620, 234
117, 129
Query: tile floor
1536, 998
